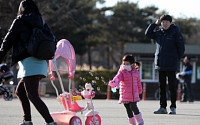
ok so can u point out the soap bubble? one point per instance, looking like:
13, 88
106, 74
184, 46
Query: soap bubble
98, 88
84, 79
91, 73
97, 78
93, 81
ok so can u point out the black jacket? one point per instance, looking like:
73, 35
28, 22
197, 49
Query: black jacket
18, 35
188, 76
169, 47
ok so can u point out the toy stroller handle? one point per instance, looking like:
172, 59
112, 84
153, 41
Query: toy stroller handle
61, 84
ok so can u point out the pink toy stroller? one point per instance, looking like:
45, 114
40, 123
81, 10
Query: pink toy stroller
65, 61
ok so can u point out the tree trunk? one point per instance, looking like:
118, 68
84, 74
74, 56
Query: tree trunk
108, 57
89, 57
81, 61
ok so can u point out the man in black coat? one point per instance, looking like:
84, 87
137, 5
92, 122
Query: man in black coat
169, 49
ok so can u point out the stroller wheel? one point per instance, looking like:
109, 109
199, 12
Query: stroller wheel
8, 97
75, 121
93, 120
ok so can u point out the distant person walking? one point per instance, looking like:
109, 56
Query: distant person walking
186, 75
31, 70
169, 49
128, 79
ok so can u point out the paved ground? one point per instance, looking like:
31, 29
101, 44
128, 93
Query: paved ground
111, 112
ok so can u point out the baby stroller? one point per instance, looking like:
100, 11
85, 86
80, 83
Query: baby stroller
65, 61
5, 75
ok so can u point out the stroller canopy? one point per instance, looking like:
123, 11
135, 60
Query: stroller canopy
65, 58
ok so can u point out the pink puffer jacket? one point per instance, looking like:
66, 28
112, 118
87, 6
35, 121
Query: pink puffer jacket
130, 85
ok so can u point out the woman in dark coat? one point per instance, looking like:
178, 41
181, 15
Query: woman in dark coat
31, 69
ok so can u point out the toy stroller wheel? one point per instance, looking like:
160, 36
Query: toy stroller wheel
93, 121
75, 121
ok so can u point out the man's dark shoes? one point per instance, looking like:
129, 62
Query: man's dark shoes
191, 100
183, 101
172, 111
161, 111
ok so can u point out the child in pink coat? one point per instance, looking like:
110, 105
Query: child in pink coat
128, 79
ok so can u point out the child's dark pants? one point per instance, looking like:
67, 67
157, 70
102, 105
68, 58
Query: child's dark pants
130, 108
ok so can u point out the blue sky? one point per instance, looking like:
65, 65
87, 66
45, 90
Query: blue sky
176, 8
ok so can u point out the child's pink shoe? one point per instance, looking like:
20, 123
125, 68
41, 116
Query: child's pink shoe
132, 121
139, 119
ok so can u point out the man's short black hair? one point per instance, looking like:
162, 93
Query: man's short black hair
166, 17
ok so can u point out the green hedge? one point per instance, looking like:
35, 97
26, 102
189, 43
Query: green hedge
98, 79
